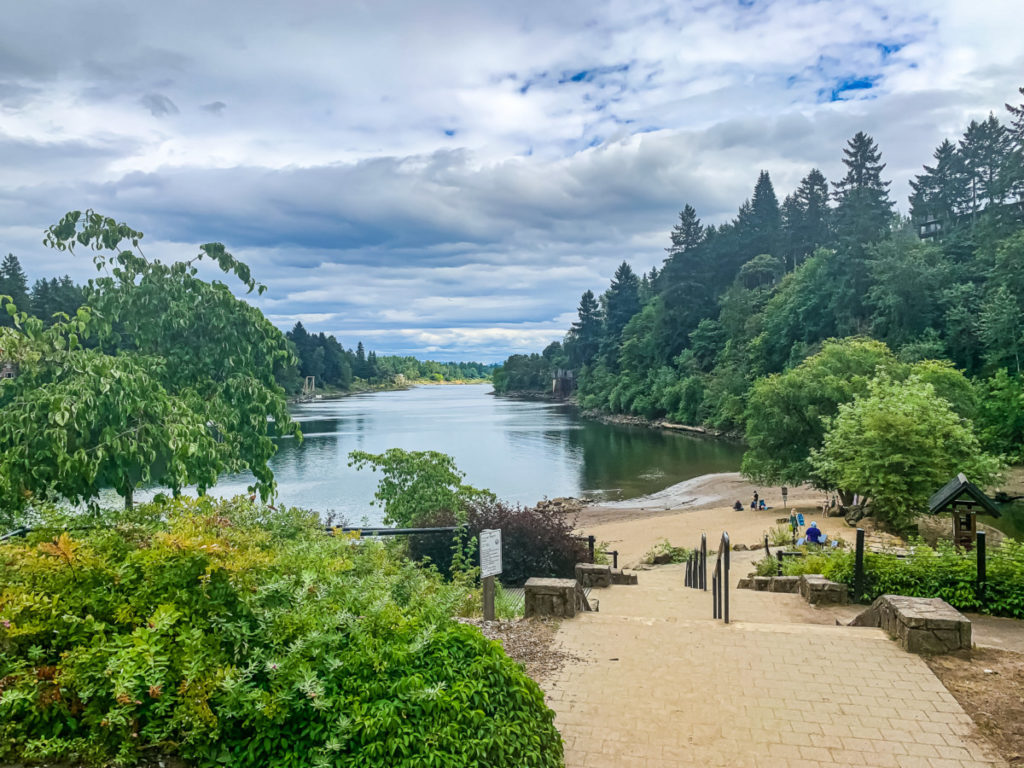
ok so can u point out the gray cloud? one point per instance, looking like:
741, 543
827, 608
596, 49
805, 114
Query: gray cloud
159, 105
449, 179
214, 107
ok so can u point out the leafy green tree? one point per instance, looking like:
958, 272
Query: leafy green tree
1001, 414
179, 387
896, 445
14, 284
417, 483
786, 413
908, 278
863, 207
1001, 326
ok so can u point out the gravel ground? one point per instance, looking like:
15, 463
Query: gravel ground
528, 641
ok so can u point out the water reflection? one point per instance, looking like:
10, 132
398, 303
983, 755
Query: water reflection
522, 451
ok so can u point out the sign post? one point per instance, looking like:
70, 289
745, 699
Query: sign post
785, 495
490, 566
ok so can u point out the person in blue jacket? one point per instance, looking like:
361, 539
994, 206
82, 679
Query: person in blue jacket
814, 534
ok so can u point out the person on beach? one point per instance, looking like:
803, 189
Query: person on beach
738, 506
813, 535
753, 504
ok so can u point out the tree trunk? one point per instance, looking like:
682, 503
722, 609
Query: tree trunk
846, 497
129, 498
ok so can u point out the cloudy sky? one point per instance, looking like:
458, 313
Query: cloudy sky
445, 178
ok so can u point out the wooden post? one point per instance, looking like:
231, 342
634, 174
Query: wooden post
488, 585
858, 567
490, 566
982, 567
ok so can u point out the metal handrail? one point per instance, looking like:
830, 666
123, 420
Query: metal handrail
697, 566
720, 581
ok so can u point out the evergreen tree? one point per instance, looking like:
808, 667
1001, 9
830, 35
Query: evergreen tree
815, 228
1014, 170
55, 295
584, 338
359, 369
13, 283
985, 148
864, 209
941, 192
621, 302
765, 219
687, 234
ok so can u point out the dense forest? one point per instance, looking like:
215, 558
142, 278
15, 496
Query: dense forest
741, 310
317, 355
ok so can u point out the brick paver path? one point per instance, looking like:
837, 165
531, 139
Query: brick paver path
661, 685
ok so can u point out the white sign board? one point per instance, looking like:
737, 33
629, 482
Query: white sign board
490, 552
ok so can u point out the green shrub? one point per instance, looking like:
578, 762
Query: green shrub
664, 549
534, 541
233, 634
945, 572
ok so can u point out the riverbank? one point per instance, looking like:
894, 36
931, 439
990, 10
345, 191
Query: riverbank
618, 418
719, 490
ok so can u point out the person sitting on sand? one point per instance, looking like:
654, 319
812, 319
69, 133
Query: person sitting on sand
761, 504
738, 506
814, 534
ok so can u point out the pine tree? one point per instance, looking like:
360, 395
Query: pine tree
1013, 172
13, 283
864, 210
584, 338
621, 302
765, 218
985, 148
941, 192
687, 234
360, 368
806, 217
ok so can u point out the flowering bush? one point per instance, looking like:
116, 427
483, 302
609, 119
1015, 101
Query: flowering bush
229, 633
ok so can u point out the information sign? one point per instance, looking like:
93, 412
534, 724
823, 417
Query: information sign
490, 552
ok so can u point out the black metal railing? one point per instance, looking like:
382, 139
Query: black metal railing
697, 566
720, 581
592, 550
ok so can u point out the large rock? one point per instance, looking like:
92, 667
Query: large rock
594, 575
919, 624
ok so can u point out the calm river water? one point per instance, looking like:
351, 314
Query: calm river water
523, 451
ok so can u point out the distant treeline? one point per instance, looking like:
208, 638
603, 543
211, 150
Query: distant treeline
323, 357
756, 296
318, 354
44, 299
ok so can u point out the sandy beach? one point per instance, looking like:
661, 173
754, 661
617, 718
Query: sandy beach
704, 504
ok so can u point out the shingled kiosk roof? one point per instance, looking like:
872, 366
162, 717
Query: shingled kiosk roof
954, 489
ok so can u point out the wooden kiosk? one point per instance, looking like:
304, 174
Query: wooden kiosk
965, 500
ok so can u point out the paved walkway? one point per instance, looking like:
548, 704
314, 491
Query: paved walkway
663, 685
